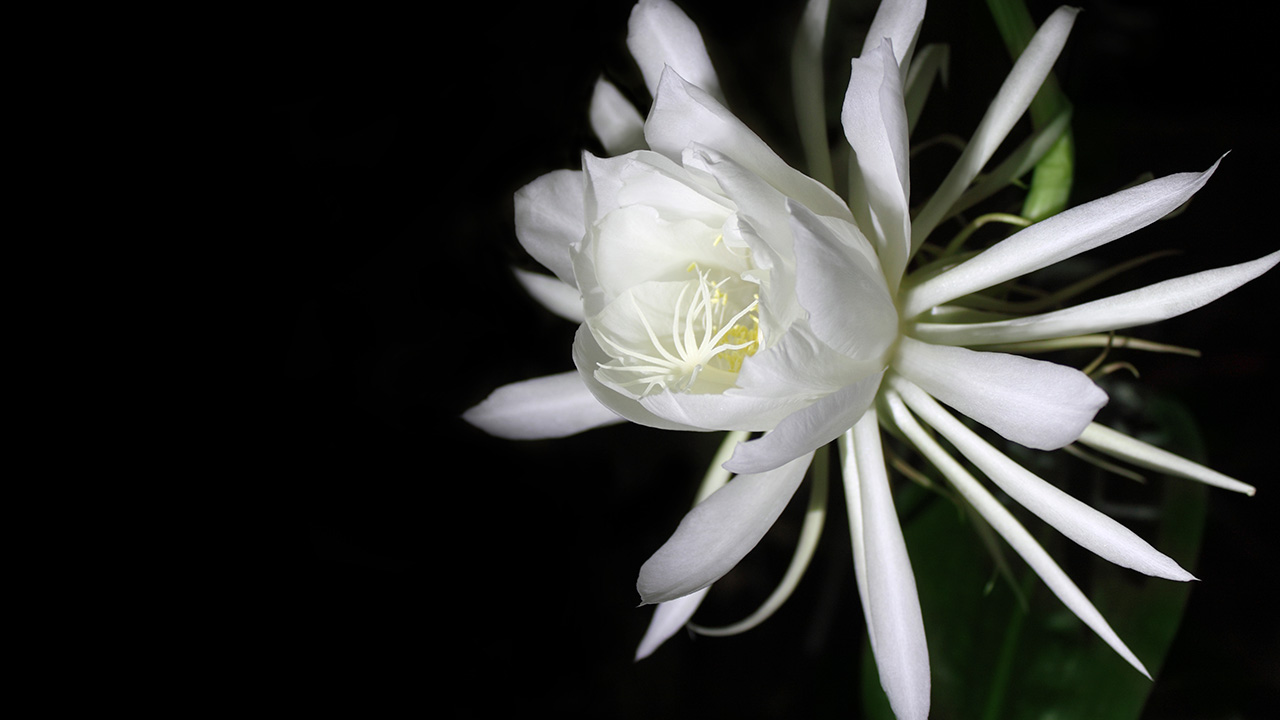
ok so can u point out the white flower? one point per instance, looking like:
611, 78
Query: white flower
718, 288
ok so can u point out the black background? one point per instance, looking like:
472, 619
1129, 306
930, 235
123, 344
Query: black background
407, 558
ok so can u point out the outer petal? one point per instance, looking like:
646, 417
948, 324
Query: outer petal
1036, 403
667, 620
659, 35
898, 22
1064, 235
615, 120
558, 297
716, 534
549, 219
1115, 444
1003, 522
1153, 303
1086, 526
683, 114
875, 123
1010, 102
806, 430
891, 603
546, 407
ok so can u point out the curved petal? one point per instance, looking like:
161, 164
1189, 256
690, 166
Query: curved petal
1089, 528
546, 407
1153, 303
1011, 101
1064, 235
841, 287
558, 297
892, 605
1039, 404
1003, 522
716, 534
660, 35
806, 430
683, 115
549, 219
875, 123
615, 120
667, 620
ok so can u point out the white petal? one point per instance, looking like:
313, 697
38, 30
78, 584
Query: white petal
558, 297
875, 123
806, 430
892, 604
549, 219
667, 620
1039, 404
1153, 303
1116, 444
1086, 526
545, 407
1010, 529
683, 115
807, 90
842, 287
899, 22
1064, 235
1011, 101
615, 120
659, 35
719, 532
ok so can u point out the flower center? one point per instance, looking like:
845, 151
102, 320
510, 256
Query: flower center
711, 330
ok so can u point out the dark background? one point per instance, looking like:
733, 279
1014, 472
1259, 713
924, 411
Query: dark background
406, 557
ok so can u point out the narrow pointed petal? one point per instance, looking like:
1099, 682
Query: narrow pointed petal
1153, 303
1086, 526
804, 431
1003, 522
929, 64
1119, 445
716, 534
684, 115
545, 407
549, 219
807, 90
1011, 101
899, 22
853, 503
902, 655
558, 297
615, 120
1039, 404
1057, 238
660, 35
875, 123
667, 620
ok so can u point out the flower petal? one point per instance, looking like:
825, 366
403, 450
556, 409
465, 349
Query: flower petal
1064, 235
1003, 522
558, 297
899, 23
549, 219
1119, 445
836, 273
660, 35
1153, 303
1011, 101
546, 407
1039, 404
716, 534
683, 115
667, 620
875, 123
615, 120
806, 430
1089, 528
891, 603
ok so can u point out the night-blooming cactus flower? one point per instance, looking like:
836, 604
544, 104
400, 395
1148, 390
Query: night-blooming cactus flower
719, 289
